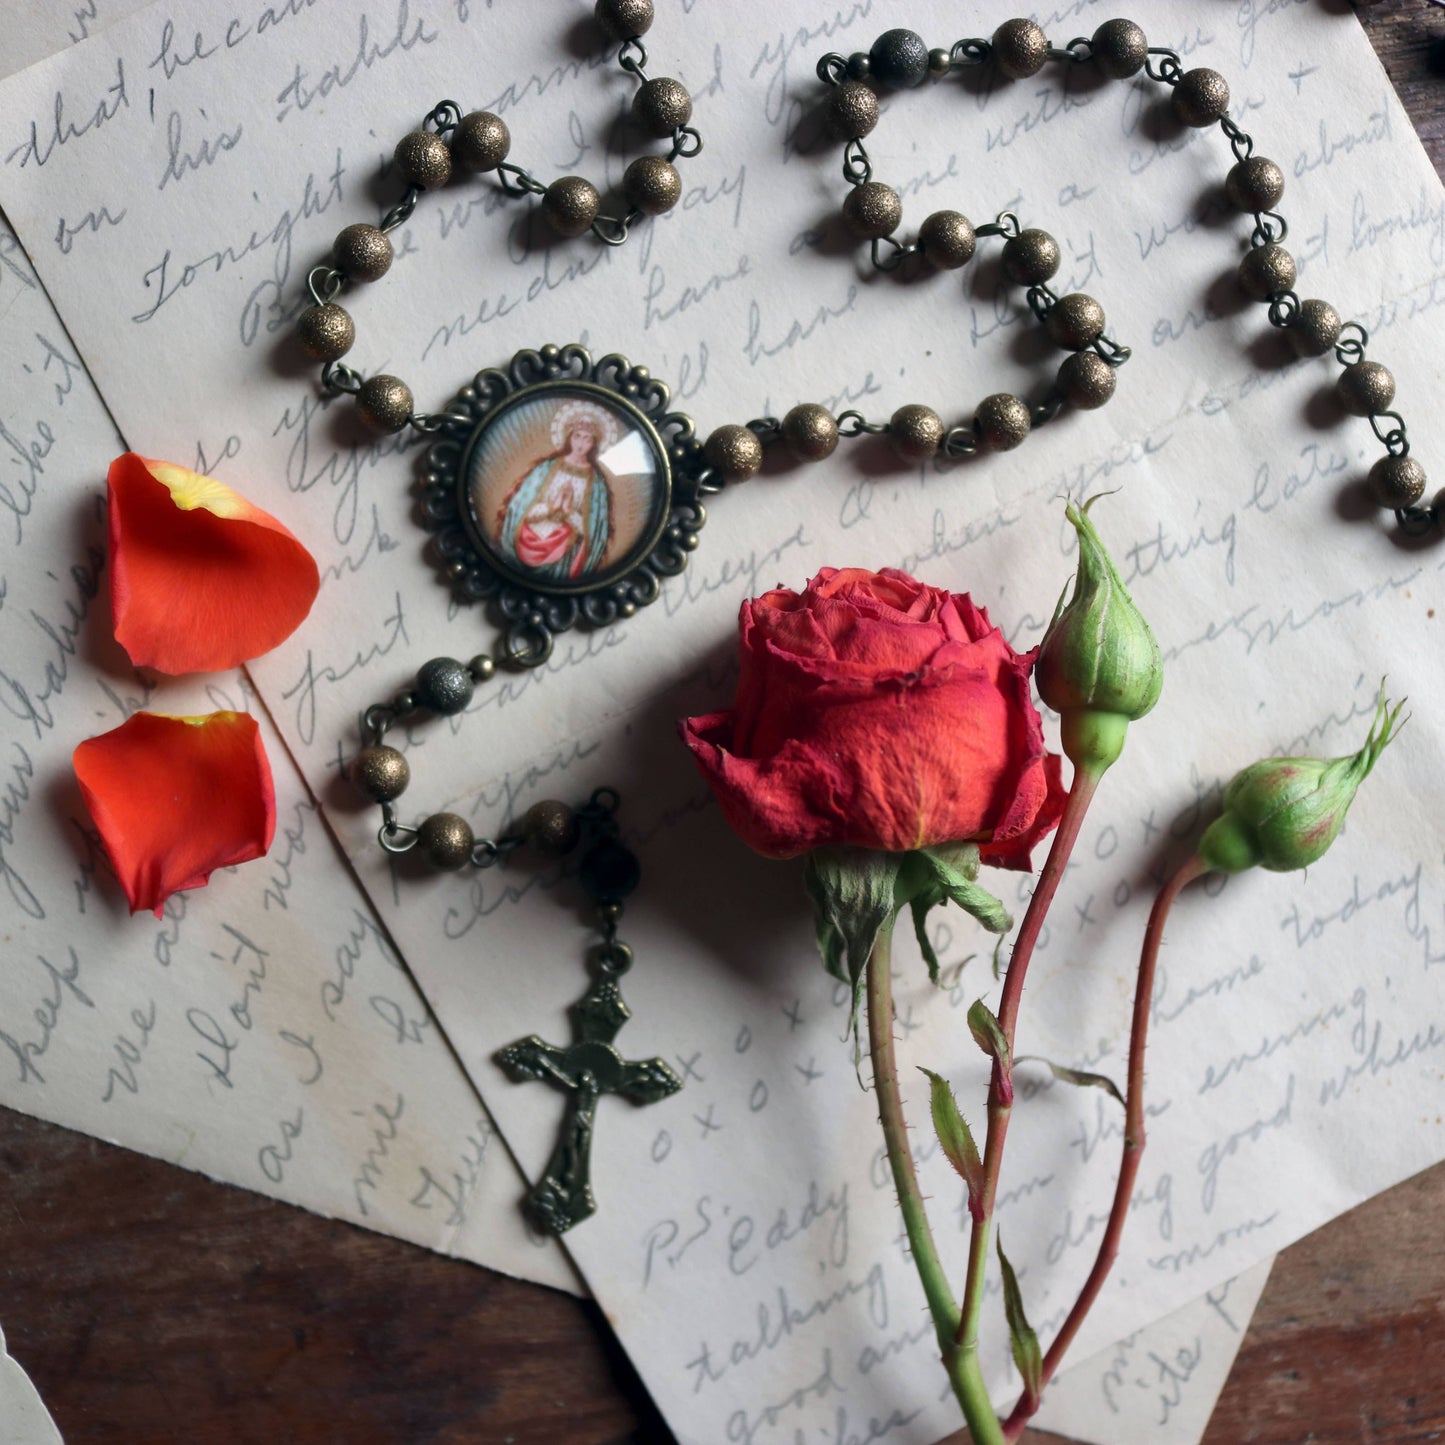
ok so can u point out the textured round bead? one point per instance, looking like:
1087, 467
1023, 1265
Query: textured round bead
851, 110
810, 432
444, 686
446, 841
609, 871
1120, 48
481, 141
362, 252
1315, 328
623, 19
734, 453
1075, 321
1265, 270
424, 159
571, 205
1086, 380
660, 106
1002, 421
652, 185
380, 773
1397, 482
947, 239
1254, 184
385, 402
326, 332
1366, 388
1201, 96
899, 59
1020, 48
551, 828
872, 210
1030, 257
915, 432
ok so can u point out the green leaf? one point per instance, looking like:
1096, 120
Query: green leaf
954, 869
851, 890
920, 906
1075, 1076
953, 1133
1027, 1356
988, 1035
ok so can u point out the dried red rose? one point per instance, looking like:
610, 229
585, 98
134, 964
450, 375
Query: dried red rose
876, 711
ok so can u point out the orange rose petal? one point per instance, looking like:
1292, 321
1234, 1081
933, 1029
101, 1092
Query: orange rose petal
200, 580
176, 798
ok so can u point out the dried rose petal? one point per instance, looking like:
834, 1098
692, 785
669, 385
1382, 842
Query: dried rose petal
200, 580
176, 798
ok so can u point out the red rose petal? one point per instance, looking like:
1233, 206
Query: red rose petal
176, 798
200, 580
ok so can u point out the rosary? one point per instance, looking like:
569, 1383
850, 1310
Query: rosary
562, 489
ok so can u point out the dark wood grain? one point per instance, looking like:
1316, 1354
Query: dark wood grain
152, 1305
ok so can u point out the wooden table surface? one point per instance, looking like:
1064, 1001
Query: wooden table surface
150, 1304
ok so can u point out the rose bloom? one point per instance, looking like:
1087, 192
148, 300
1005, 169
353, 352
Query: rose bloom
876, 711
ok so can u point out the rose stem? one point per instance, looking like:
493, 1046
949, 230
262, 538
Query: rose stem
964, 1373
1000, 1093
1187, 872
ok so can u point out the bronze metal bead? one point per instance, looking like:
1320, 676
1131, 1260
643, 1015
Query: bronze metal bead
424, 159
660, 106
1397, 482
482, 668
1266, 270
810, 432
571, 205
851, 110
1086, 380
1020, 48
1366, 388
860, 66
481, 141
1315, 328
1201, 96
652, 185
898, 59
326, 332
872, 210
1030, 257
916, 432
385, 402
940, 62
1002, 421
380, 774
624, 19
1075, 321
734, 453
1120, 48
1254, 184
551, 828
362, 252
444, 686
947, 239
446, 841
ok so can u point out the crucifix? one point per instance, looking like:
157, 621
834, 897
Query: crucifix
587, 1068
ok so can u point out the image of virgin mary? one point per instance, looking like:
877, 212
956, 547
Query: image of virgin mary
557, 520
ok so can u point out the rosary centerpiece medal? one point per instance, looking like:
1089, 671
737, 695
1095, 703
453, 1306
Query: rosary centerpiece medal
562, 490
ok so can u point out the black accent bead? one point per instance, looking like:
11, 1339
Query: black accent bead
609, 871
899, 59
444, 686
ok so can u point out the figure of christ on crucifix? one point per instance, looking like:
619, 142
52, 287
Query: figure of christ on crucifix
587, 1068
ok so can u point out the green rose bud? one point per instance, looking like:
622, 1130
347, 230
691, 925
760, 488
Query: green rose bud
1099, 667
1283, 813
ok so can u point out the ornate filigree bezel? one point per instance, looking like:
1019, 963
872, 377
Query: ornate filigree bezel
531, 610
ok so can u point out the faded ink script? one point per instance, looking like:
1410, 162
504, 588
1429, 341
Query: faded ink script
176, 177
